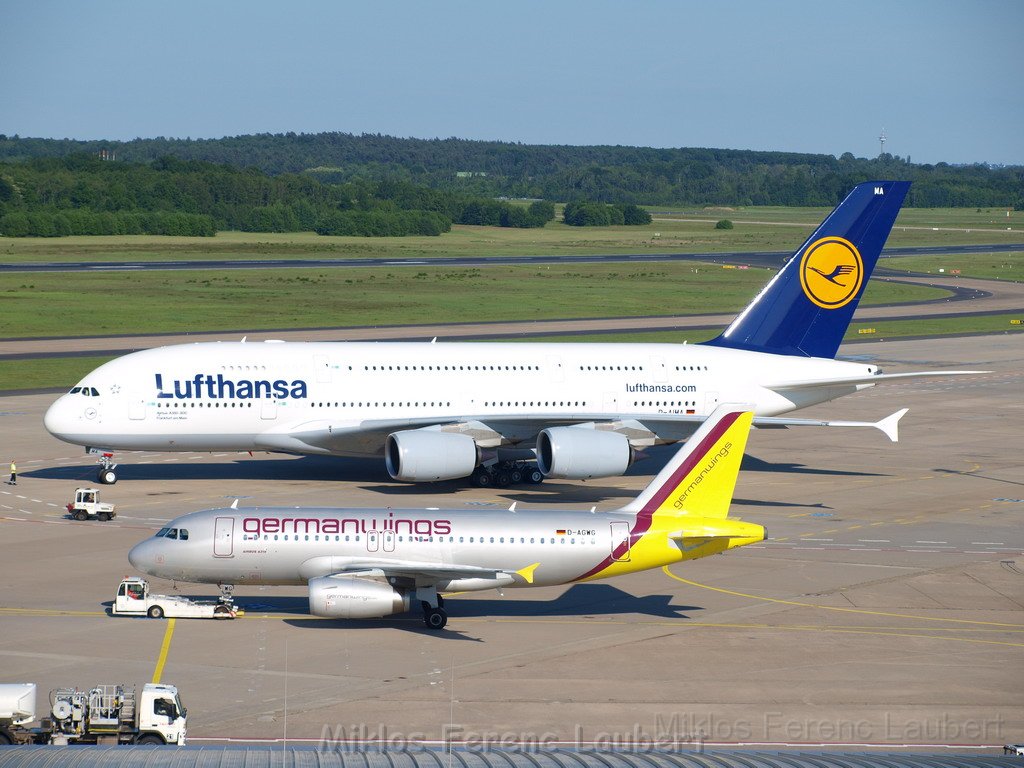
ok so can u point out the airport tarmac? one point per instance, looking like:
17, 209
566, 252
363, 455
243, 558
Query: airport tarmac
887, 606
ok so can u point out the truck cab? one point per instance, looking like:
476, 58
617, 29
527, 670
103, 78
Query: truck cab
162, 716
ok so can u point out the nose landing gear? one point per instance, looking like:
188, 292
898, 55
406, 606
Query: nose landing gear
106, 474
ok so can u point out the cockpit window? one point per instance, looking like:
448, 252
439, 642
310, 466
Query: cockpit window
172, 534
162, 532
75, 390
183, 534
94, 392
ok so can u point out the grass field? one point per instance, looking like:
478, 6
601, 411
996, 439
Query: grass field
992, 266
784, 230
102, 303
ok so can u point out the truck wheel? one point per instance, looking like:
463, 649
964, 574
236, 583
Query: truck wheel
81, 515
103, 517
222, 612
149, 739
155, 612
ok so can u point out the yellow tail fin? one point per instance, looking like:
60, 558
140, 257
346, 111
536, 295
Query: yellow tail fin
699, 481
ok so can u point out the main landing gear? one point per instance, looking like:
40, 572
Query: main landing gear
506, 473
106, 474
434, 616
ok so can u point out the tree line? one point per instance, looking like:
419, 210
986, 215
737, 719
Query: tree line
81, 194
609, 174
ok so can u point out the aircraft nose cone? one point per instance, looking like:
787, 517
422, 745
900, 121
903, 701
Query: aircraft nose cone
53, 420
141, 556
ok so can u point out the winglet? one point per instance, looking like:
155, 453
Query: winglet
527, 572
234, 504
513, 507
890, 424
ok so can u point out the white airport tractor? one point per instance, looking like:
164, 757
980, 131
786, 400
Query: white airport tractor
107, 714
134, 599
87, 505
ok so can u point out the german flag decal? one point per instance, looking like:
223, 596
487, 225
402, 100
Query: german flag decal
560, 532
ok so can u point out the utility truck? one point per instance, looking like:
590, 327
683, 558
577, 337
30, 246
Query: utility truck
134, 599
87, 504
106, 714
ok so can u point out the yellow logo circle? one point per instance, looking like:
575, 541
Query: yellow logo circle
831, 272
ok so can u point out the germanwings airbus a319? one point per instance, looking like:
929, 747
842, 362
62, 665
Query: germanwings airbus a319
370, 563
438, 411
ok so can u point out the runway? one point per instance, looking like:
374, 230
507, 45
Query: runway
887, 605
758, 258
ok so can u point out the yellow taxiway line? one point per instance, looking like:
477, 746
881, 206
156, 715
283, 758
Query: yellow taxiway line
164, 648
837, 608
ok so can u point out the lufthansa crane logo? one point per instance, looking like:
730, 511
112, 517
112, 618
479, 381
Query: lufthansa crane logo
831, 272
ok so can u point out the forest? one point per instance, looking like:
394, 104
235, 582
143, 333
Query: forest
608, 174
81, 194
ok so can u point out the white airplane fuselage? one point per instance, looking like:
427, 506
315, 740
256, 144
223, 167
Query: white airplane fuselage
241, 396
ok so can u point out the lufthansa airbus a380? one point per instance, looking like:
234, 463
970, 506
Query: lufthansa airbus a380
370, 563
450, 410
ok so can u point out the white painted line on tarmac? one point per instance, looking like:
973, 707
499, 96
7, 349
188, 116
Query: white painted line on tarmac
876, 541
931, 542
984, 543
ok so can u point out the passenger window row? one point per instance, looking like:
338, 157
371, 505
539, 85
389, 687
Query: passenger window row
450, 368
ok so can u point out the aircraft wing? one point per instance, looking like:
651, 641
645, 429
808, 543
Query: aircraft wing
367, 437
416, 570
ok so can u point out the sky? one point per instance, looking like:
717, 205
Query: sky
944, 78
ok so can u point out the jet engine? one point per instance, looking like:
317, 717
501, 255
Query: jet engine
421, 455
351, 597
577, 453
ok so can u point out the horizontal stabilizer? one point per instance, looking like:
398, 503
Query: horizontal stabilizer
849, 381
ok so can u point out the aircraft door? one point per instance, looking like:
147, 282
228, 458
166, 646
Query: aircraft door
619, 537
710, 401
323, 369
372, 541
268, 410
658, 369
137, 410
223, 537
555, 370
388, 541
611, 402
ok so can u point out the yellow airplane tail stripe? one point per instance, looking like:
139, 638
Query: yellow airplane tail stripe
700, 480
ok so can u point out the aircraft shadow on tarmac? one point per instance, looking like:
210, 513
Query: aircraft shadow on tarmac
327, 468
579, 601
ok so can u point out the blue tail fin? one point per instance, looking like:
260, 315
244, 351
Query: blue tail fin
806, 308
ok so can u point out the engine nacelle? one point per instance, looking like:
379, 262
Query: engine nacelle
350, 597
577, 453
419, 455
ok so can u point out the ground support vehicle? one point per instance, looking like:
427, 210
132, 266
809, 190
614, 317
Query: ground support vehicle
87, 505
106, 714
134, 599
